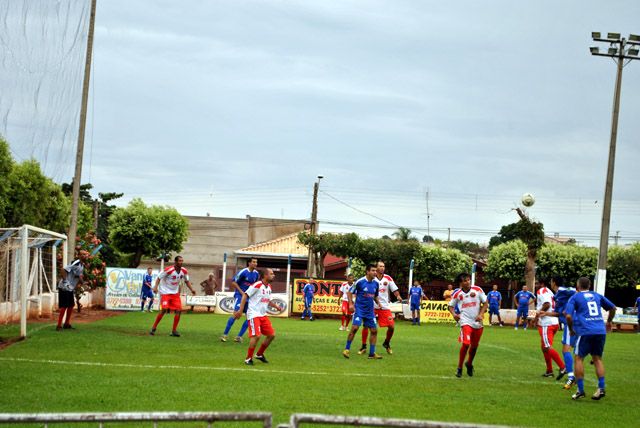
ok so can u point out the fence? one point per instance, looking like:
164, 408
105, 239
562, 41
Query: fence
298, 418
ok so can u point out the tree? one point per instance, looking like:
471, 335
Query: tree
472, 249
623, 266
146, 231
440, 263
404, 234
6, 165
325, 243
507, 261
507, 233
567, 261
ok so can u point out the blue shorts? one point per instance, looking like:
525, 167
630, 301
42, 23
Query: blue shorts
146, 292
567, 339
236, 305
366, 322
591, 344
415, 306
522, 312
494, 310
307, 302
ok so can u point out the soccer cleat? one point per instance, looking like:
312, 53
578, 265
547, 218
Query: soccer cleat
302, 318
388, 348
469, 369
598, 394
516, 328
570, 382
175, 333
261, 358
547, 374
223, 338
375, 356
346, 353
238, 339
578, 395
152, 332
362, 350
459, 372
68, 327
58, 328
311, 319
561, 374
249, 361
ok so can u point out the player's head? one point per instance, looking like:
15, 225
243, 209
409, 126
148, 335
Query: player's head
252, 263
556, 281
583, 283
149, 270
350, 278
462, 280
178, 261
267, 275
449, 286
371, 270
525, 288
543, 282
380, 267
83, 255
416, 283
495, 287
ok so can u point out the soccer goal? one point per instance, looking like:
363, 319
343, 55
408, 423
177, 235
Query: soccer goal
28, 274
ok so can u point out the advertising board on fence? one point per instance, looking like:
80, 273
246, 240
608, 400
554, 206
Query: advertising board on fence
437, 311
326, 299
122, 291
200, 300
226, 303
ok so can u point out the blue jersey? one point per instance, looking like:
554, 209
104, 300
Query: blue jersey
245, 278
523, 298
308, 291
494, 298
586, 310
638, 306
365, 292
561, 298
147, 280
415, 294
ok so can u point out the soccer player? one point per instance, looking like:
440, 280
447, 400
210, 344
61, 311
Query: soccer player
495, 300
416, 295
521, 300
72, 275
547, 328
307, 292
636, 305
168, 283
366, 292
344, 302
383, 310
563, 294
146, 292
584, 318
472, 303
258, 298
241, 283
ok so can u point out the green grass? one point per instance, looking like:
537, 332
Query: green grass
114, 365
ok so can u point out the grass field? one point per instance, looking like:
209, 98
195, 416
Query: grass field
114, 365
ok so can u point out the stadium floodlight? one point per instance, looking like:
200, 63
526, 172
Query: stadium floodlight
613, 51
594, 50
633, 52
595, 35
613, 36
634, 39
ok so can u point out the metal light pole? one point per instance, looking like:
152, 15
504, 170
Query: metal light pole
311, 263
622, 51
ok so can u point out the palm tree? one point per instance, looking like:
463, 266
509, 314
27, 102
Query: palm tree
404, 234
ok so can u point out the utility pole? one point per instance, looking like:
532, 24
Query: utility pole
77, 177
428, 214
622, 51
311, 263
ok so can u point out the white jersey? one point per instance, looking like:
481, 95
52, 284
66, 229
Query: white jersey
344, 289
385, 286
259, 296
170, 280
469, 305
544, 295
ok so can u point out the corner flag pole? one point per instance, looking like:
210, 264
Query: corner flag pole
473, 274
224, 271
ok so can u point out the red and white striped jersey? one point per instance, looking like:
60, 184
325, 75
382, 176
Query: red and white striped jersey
170, 280
544, 295
385, 285
344, 288
469, 305
259, 295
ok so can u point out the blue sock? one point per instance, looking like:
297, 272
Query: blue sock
516, 323
150, 304
568, 361
601, 382
142, 306
244, 327
372, 349
230, 322
348, 345
310, 314
581, 385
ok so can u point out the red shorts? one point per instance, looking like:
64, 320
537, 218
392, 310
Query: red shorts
385, 318
171, 302
345, 307
470, 336
546, 335
259, 326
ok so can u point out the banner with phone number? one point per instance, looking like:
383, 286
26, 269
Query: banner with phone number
437, 311
326, 298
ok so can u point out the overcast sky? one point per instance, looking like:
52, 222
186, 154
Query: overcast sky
234, 107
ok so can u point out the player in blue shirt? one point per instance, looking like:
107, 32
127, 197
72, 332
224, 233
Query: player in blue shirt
584, 318
241, 283
521, 300
366, 292
307, 294
562, 296
415, 296
637, 306
495, 299
146, 292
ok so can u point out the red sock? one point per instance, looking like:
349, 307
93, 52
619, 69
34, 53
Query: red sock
158, 318
389, 335
69, 312
463, 353
346, 324
176, 320
365, 334
472, 355
547, 360
250, 353
262, 348
61, 316
342, 322
556, 357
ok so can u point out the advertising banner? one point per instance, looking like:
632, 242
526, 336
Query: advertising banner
437, 311
201, 300
122, 291
326, 299
226, 303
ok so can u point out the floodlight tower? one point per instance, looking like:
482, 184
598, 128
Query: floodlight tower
622, 51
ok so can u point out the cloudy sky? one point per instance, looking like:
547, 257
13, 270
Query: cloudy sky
234, 107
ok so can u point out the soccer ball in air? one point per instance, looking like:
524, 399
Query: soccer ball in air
528, 200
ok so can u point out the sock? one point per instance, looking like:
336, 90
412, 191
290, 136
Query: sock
601, 382
387, 340
568, 362
158, 318
69, 312
372, 349
150, 304
342, 321
230, 322
262, 348
463, 353
365, 334
310, 314
516, 323
243, 329
556, 357
61, 316
142, 305
547, 360
348, 345
472, 355
580, 385
176, 320
250, 353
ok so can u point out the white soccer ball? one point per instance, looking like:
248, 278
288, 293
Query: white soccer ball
528, 200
